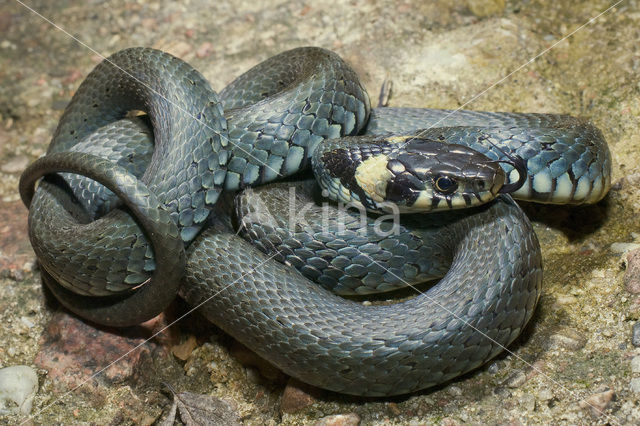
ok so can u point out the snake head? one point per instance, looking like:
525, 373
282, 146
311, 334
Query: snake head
410, 175
425, 175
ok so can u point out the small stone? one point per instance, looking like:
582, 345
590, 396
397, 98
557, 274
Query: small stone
516, 379
635, 336
502, 392
16, 275
253, 375
545, 395
297, 396
527, 402
598, 402
568, 339
26, 322
18, 386
566, 299
635, 385
351, 419
624, 247
635, 364
495, 367
454, 390
395, 410
632, 273
184, 349
448, 421
607, 332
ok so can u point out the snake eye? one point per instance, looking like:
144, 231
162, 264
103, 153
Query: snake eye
445, 185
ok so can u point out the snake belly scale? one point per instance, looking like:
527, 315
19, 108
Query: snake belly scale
137, 198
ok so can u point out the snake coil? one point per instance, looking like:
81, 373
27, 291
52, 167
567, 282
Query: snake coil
130, 193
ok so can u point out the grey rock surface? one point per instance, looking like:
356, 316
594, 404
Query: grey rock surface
18, 387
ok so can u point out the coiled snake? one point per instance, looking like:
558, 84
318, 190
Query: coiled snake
118, 257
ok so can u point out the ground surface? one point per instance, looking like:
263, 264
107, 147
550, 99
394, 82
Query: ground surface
579, 345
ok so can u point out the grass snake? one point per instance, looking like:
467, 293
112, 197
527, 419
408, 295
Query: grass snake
118, 256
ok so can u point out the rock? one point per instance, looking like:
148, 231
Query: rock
495, 367
454, 390
545, 395
527, 402
632, 273
635, 364
351, 419
502, 392
568, 339
634, 385
598, 402
18, 386
297, 396
73, 351
184, 349
516, 379
635, 336
624, 247
395, 410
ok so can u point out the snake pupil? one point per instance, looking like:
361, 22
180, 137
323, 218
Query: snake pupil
446, 185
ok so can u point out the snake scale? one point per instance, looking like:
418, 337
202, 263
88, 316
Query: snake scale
118, 256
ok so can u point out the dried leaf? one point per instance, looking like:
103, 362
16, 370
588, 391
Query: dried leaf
169, 418
201, 410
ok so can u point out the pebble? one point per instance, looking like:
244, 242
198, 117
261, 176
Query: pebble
632, 273
454, 390
351, 419
495, 367
624, 247
527, 402
634, 385
545, 395
598, 402
635, 336
297, 396
501, 391
184, 349
568, 339
635, 364
515, 380
18, 386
